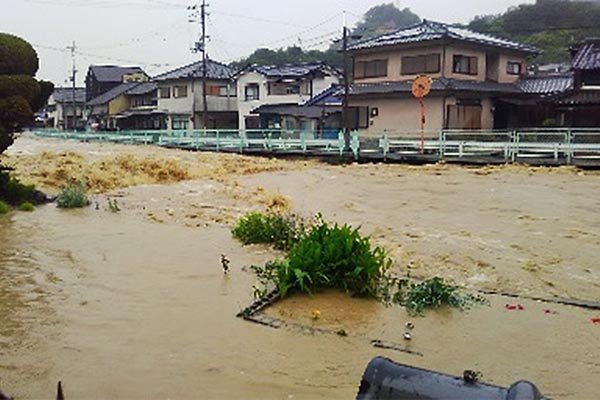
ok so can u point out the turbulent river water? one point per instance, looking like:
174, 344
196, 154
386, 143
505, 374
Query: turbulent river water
134, 305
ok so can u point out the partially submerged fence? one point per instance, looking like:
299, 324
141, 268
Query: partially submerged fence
556, 146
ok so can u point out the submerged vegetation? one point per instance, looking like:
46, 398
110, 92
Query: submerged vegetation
73, 196
323, 255
432, 294
281, 231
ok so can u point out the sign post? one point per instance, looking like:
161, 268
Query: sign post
421, 88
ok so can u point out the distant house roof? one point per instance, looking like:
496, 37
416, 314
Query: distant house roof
442, 84
143, 88
328, 97
214, 70
588, 55
292, 71
546, 85
65, 95
580, 98
427, 31
112, 94
112, 73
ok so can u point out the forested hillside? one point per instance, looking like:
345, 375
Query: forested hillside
552, 25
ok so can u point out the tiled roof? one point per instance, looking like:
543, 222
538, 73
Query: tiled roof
583, 97
214, 70
588, 56
112, 73
430, 31
290, 70
143, 88
442, 84
65, 95
545, 85
112, 94
329, 96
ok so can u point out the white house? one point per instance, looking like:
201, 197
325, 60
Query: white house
279, 84
180, 96
60, 107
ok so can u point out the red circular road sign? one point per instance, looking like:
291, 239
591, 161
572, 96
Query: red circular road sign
421, 86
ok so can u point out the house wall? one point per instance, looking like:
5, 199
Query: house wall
401, 115
118, 105
496, 72
245, 107
194, 100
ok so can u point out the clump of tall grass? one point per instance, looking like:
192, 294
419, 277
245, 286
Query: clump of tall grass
281, 231
73, 196
26, 207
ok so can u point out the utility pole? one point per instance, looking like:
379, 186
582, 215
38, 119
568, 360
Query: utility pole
200, 46
204, 62
345, 106
73, 48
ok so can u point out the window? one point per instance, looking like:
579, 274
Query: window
180, 92
219, 90
371, 69
424, 64
252, 92
292, 89
513, 68
180, 123
164, 92
465, 65
359, 117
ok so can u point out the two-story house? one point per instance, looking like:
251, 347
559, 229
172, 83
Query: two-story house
131, 105
102, 78
469, 71
580, 107
180, 96
61, 104
279, 84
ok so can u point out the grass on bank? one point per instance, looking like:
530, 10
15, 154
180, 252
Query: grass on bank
323, 255
27, 207
4, 208
73, 196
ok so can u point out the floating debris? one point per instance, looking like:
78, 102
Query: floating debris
225, 263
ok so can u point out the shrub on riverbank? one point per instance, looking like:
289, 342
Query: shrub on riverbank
14, 192
26, 207
4, 208
72, 196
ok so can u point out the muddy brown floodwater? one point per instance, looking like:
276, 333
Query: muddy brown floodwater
134, 305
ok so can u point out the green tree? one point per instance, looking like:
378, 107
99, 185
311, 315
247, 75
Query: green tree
20, 93
384, 18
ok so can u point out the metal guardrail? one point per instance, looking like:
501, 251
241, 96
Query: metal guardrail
541, 145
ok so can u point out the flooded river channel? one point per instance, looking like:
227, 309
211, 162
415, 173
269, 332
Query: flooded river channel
134, 305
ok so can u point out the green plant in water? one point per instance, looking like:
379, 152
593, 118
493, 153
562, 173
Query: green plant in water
73, 196
4, 208
113, 205
26, 207
282, 231
432, 294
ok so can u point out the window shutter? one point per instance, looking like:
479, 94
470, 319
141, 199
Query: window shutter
473, 68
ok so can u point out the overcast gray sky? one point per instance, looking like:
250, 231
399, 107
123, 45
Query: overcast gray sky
156, 34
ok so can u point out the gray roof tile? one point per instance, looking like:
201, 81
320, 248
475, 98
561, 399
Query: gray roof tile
437, 85
291, 70
545, 85
430, 31
65, 95
214, 70
112, 94
112, 73
588, 56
